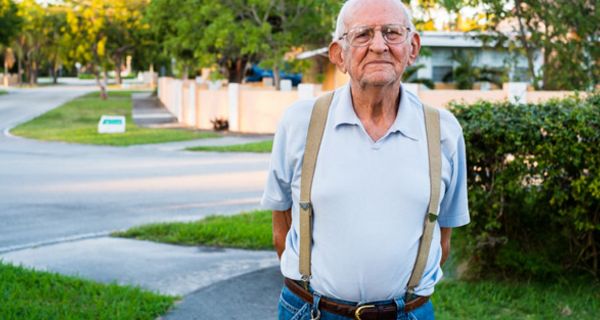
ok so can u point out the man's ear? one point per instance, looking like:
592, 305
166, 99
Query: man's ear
336, 55
415, 48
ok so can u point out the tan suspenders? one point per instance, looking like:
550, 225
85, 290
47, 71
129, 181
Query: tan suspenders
316, 128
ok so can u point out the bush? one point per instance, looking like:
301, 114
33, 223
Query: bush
534, 186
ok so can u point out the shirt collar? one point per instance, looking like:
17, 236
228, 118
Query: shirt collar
407, 120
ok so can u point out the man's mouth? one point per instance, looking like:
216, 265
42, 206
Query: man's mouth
378, 62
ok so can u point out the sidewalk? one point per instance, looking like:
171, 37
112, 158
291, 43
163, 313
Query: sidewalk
215, 283
250, 296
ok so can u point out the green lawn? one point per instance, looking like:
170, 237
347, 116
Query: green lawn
487, 299
247, 230
454, 299
27, 294
3, 92
77, 121
262, 147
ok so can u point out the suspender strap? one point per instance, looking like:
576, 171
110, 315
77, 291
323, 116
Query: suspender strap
432, 125
316, 128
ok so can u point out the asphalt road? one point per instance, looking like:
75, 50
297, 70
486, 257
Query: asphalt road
52, 192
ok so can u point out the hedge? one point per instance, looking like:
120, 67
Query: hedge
534, 186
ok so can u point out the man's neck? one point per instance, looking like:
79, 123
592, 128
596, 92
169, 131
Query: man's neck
376, 107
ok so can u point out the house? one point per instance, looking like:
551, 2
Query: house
436, 59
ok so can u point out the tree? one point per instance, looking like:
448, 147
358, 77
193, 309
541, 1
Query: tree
123, 31
101, 32
277, 27
566, 33
30, 40
175, 30
10, 22
465, 74
410, 76
232, 33
54, 44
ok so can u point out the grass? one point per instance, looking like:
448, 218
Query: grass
250, 230
487, 299
3, 92
28, 294
454, 299
261, 147
77, 121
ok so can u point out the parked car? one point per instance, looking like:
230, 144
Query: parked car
256, 74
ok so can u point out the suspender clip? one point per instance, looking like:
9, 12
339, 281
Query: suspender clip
306, 205
305, 281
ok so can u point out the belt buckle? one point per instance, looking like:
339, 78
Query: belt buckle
361, 309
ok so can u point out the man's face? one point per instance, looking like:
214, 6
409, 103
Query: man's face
377, 64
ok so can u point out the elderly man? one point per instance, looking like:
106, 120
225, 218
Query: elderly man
365, 183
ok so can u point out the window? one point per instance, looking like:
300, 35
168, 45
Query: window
439, 72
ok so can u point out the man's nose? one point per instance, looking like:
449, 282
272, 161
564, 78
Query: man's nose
378, 43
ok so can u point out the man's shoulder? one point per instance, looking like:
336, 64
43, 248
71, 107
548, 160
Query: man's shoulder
450, 128
448, 122
297, 116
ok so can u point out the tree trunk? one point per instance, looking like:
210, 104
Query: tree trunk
118, 69
33, 73
101, 84
54, 73
276, 77
185, 72
28, 71
20, 71
525, 44
236, 70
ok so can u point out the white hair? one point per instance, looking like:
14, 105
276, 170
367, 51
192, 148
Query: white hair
340, 26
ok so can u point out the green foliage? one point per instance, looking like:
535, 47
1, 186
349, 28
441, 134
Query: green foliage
77, 121
10, 22
232, 33
564, 32
410, 76
43, 295
534, 186
260, 147
251, 230
465, 74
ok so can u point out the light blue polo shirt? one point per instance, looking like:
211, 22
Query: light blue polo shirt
369, 198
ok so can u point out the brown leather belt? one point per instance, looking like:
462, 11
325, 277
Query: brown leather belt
362, 312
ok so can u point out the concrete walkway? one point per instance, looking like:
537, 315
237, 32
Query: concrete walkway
214, 283
163, 268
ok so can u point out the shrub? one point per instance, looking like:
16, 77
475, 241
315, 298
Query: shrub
220, 124
534, 186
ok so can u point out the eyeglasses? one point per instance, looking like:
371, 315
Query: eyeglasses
363, 36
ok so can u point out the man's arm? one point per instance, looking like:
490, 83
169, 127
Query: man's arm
446, 235
282, 221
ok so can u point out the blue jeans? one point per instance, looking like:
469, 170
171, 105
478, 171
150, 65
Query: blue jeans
292, 307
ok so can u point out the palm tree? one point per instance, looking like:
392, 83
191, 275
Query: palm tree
410, 76
465, 74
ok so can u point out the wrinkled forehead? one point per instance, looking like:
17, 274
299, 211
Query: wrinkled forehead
374, 12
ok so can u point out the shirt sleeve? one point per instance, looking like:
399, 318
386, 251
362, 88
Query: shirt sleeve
277, 194
454, 209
